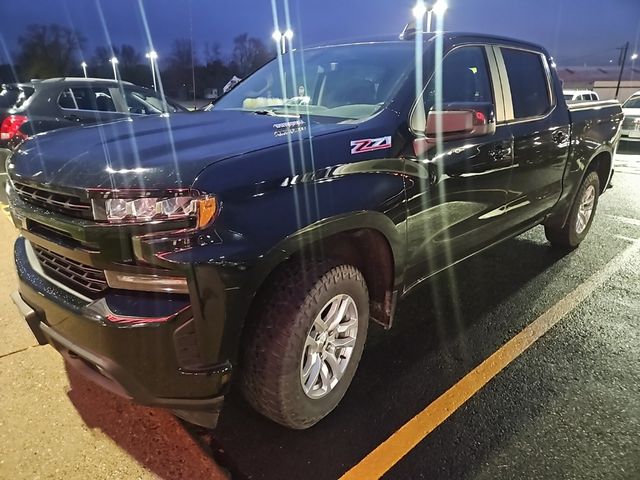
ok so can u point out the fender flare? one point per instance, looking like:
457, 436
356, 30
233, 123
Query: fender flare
311, 235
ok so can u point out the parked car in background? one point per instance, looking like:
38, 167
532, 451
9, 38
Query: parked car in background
580, 96
38, 106
262, 238
630, 132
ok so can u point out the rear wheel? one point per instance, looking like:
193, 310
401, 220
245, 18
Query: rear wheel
580, 218
304, 348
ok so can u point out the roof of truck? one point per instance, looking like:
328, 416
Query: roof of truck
449, 37
82, 80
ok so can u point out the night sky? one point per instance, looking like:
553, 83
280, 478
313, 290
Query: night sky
575, 31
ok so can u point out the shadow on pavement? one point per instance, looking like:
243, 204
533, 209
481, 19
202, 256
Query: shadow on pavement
153, 437
442, 330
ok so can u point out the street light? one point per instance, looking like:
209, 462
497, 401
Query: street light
153, 56
634, 56
421, 9
84, 68
440, 7
281, 39
114, 62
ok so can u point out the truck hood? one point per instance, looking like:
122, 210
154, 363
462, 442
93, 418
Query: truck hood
166, 151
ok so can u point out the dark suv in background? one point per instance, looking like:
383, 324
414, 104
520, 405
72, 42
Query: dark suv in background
39, 106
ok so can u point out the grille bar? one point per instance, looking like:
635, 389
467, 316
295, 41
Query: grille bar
59, 202
76, 275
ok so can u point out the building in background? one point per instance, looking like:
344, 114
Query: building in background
603, 80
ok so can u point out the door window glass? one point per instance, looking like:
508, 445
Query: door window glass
85, 98
465, 78
528, 82
65, 100
143, 102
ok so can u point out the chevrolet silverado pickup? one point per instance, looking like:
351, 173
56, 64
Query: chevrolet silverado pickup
164, 256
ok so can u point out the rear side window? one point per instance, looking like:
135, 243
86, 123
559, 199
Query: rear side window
14, 96
95, 99
528, 82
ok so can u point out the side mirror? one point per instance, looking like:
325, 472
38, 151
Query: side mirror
457, 121
462, 120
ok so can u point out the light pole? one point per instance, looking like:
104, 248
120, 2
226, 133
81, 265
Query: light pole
421, 9
153, 56
84, 68
114, 62
281, 39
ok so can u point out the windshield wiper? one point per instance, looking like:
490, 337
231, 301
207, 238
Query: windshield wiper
278, 113
265, 112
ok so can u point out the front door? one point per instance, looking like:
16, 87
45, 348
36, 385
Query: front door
456, 192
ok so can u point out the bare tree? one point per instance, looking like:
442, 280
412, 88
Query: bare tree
182, 54
49, 50
182, 64
126, 54
249, 54
211, 53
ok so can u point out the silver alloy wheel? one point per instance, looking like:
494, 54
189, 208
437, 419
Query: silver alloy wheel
328, 346
585, 209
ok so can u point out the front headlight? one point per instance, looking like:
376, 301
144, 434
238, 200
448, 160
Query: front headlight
123, 210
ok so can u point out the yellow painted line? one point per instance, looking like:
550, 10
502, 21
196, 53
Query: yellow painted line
387, 454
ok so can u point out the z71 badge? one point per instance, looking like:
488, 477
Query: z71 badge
370, 144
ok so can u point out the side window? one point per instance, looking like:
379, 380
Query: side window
465, 78
66, 100
85, 98
144, 102
528, 83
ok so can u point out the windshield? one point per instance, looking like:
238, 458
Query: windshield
633, 102
568, 96
345, 82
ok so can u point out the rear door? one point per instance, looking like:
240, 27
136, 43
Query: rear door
89, 104
540, 126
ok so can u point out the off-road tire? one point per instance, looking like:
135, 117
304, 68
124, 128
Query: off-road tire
274, 343
567, 237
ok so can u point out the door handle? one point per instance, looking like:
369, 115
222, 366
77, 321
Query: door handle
559, 136
500, 152
72, 118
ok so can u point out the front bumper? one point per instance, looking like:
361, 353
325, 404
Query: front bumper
144, 362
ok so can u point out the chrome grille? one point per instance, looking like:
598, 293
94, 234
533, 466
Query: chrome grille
59, 202
78, 276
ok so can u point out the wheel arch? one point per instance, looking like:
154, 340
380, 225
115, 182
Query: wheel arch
600, 161
367, 240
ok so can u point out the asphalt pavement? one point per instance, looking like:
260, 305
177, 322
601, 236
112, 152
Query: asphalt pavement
566, 407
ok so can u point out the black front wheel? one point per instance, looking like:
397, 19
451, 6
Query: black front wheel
305, 345
580, 217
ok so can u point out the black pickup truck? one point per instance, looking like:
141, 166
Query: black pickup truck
163, 255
